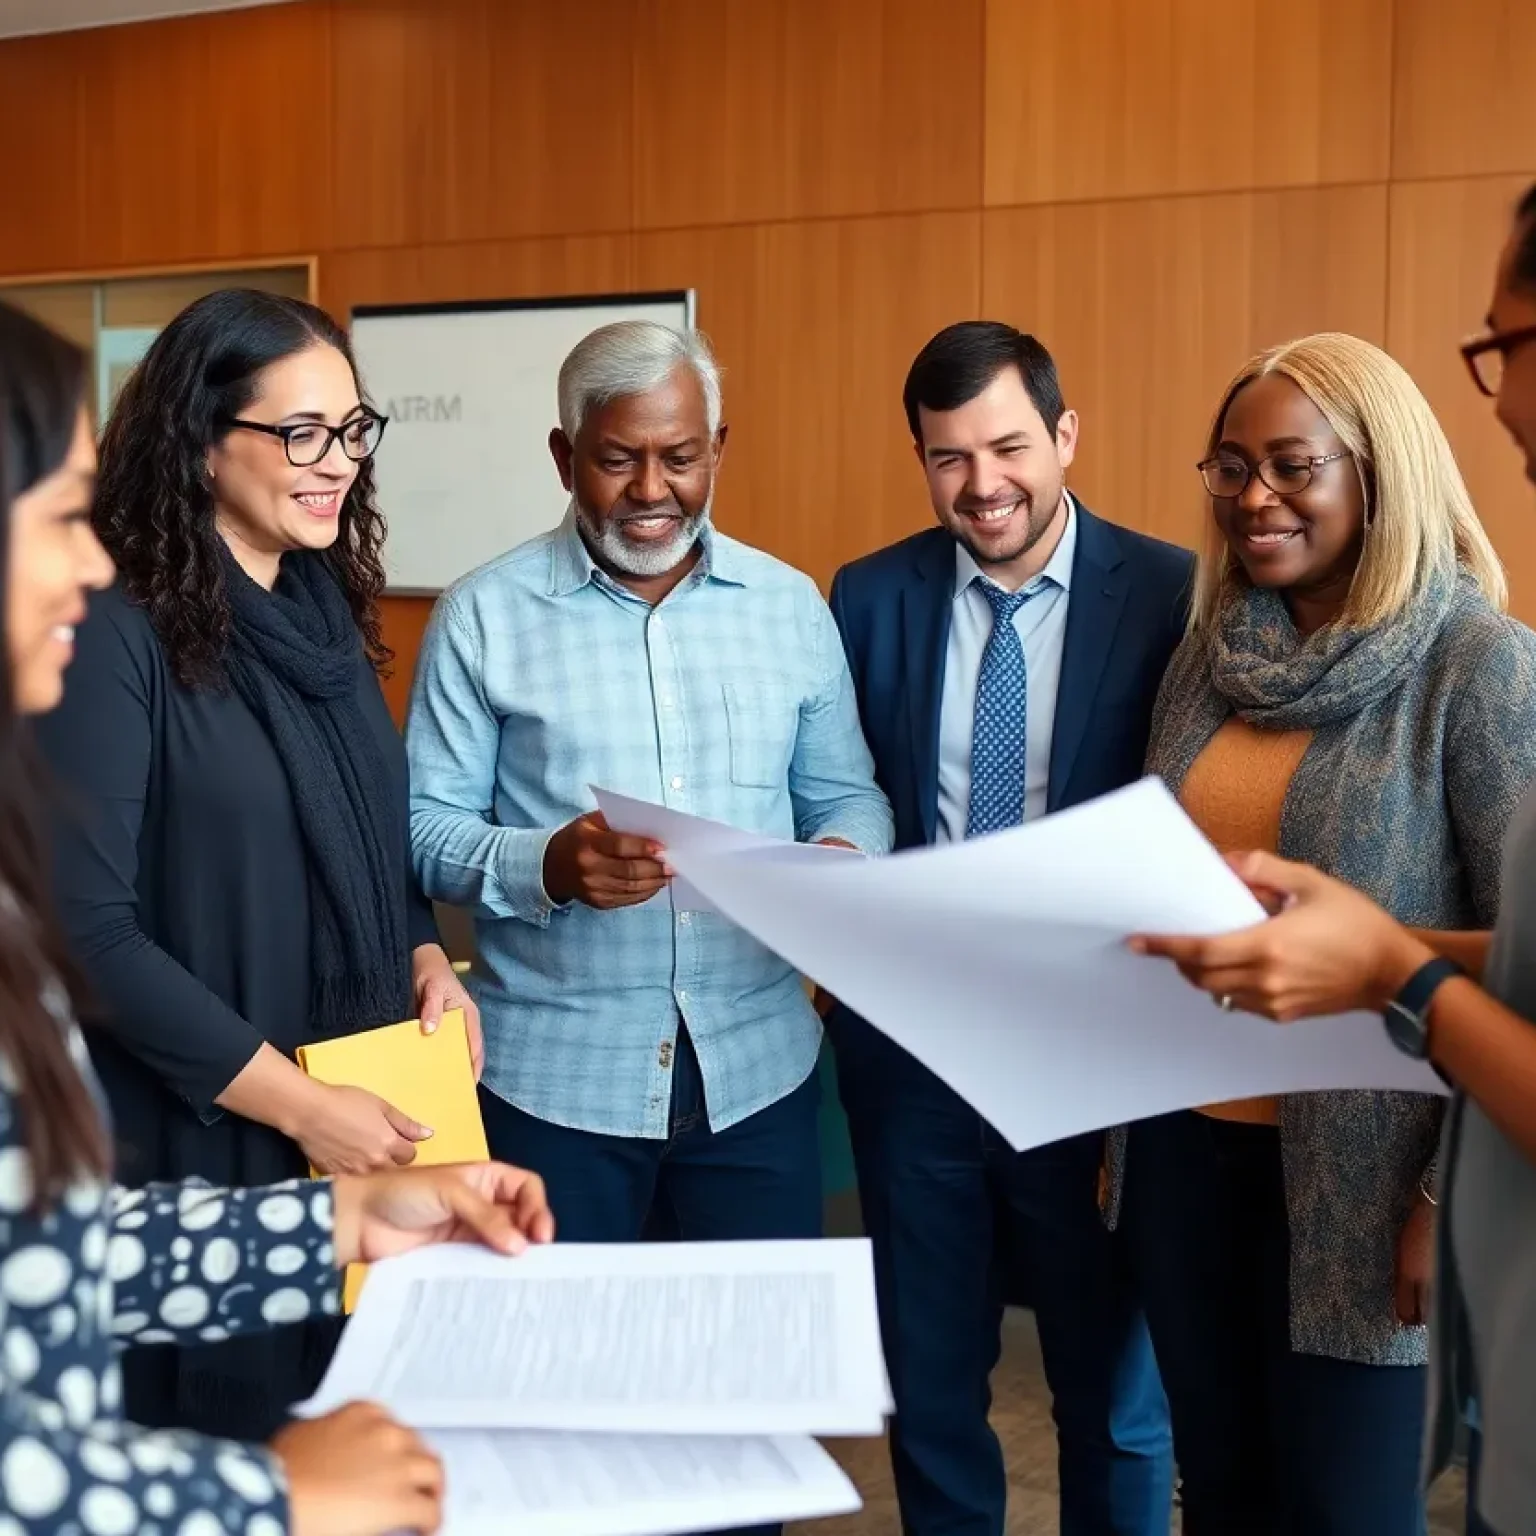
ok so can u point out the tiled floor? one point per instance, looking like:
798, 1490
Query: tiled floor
1022, 1417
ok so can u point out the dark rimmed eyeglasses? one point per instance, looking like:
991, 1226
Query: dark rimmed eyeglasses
307, 442
1485, 356
1286, 474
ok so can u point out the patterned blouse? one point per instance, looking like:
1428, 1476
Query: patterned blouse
109, 1267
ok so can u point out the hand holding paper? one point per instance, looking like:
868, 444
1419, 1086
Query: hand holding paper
663, 826
1329, 950
591, 862
382, 1215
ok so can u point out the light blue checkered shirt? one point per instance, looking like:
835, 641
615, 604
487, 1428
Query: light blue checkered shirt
731, 699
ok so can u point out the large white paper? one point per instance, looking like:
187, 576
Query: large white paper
675, 1338
1001, 964
557, 1484
643, 818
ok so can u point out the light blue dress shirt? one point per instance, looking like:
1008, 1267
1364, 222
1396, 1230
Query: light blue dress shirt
1042, 627
730, 699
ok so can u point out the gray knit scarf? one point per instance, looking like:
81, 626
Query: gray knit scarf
1255, 664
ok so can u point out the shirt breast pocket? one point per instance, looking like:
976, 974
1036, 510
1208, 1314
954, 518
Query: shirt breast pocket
761, 719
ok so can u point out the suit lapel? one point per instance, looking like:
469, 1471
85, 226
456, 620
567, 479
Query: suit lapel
926, 609
1100, 584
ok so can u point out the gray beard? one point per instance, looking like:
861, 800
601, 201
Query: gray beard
609, 547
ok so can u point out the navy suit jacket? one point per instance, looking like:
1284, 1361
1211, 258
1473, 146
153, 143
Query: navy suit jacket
1127, 611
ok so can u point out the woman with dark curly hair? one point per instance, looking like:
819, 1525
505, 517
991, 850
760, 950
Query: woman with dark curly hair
233, 866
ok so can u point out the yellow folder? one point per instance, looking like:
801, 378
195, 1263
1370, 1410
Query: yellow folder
431, 1078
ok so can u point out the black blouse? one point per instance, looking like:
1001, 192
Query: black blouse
182, 881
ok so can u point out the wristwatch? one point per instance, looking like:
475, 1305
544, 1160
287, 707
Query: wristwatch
1407, 1015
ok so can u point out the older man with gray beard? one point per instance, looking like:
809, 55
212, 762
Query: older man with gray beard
637, 1051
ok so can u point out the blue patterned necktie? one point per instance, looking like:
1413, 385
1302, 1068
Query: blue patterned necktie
998, 739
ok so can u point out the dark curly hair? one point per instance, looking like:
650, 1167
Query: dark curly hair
154, 506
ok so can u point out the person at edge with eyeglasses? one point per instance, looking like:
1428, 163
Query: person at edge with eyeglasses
232, 863
1353, 695
1463, 1000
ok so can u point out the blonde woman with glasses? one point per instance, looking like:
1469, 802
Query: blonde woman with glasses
1351, 694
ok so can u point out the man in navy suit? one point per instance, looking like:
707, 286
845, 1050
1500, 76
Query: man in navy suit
1006, 665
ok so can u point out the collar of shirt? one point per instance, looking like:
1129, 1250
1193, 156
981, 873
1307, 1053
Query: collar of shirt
1058, 569
572, 566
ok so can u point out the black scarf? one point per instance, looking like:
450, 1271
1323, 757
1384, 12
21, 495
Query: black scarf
294, 657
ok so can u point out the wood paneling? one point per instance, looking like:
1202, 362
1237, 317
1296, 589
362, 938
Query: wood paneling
816, 325
786, 109
1150, 307
501, 269
1155, 186
472, 119
405, 622
1130, 98
43, 225
1464, 101
1446, 236
206, 137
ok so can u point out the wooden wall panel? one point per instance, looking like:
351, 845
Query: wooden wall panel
405, 622
501, 269
1464, 101
1149, 308
816, 325
1156, 186
1130, 98
472, 119
1446, 236
207, 137
784, 109
43, 222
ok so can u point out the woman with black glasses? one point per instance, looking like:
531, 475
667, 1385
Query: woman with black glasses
1464, 1000
233, 864
1352, 694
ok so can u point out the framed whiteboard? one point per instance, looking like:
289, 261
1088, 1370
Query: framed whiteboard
464, 471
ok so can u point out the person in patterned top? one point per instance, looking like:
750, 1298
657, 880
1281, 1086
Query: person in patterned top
87, 1268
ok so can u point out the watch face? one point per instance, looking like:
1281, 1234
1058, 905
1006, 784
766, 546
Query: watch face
1407, 1031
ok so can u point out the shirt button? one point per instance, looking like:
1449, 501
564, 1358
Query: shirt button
682, 996
677, 781
664, 1055
683, 917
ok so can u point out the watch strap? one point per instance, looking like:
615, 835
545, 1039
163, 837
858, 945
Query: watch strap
1406, 1014
1420, 988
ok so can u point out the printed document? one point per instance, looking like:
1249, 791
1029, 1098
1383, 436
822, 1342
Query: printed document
556, 1484
676, 1338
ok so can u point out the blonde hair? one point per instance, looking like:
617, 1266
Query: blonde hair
1420, 519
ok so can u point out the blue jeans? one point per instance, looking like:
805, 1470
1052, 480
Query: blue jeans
1268, 1441
759, 1178
947, 1204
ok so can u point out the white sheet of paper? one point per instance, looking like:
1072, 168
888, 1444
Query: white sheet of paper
666, 1338
552, 1483
1001, 964
642, 818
